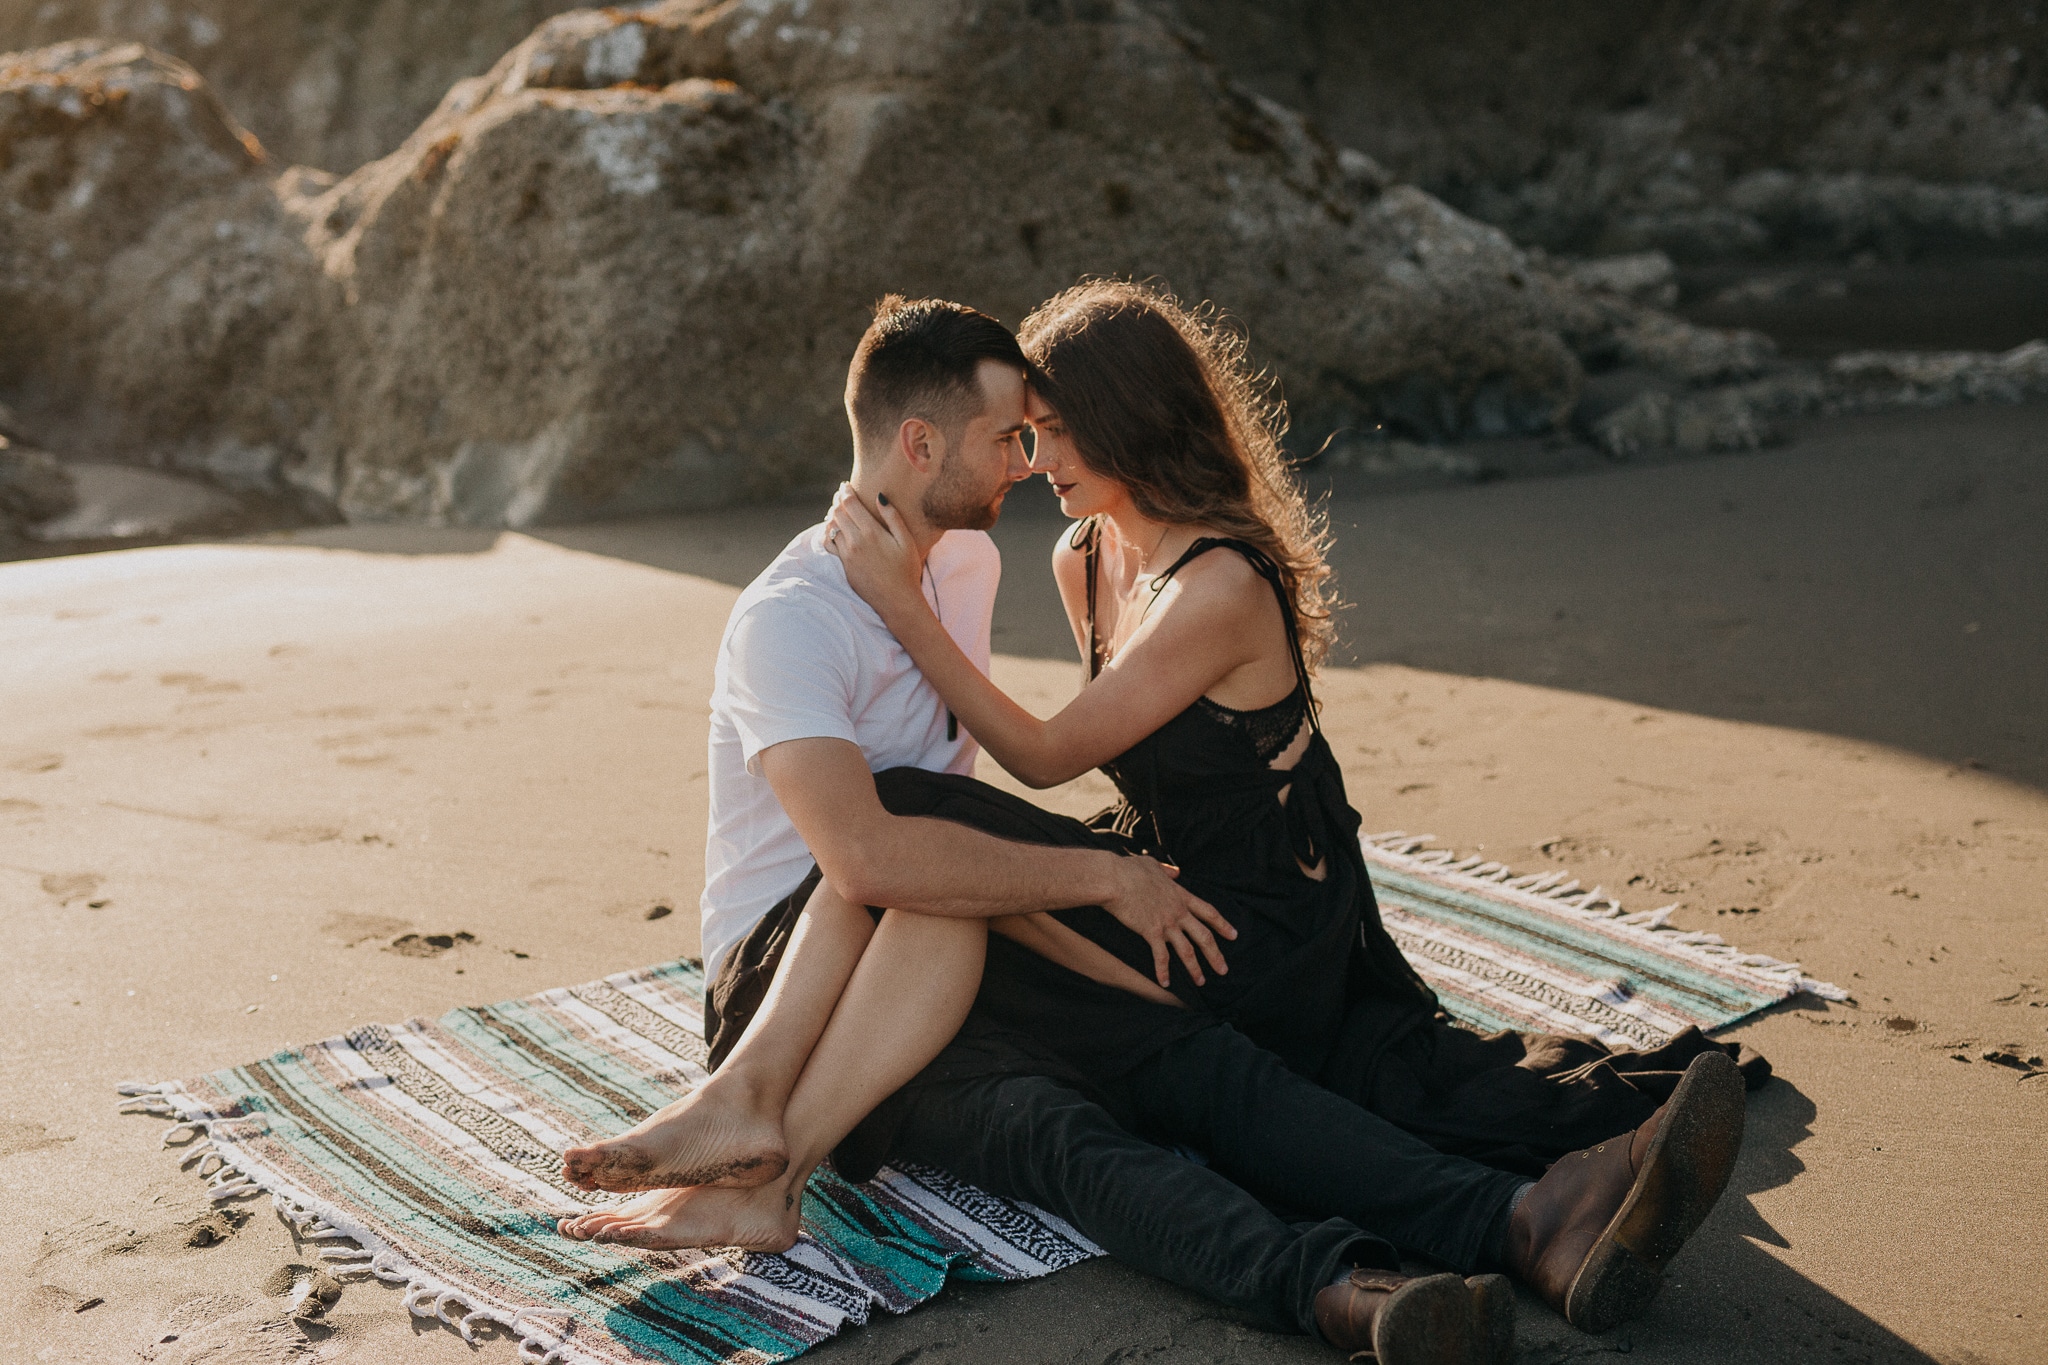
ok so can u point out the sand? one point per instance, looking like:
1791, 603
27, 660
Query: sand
1800, 693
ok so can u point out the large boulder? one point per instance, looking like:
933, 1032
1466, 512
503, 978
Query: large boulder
146, 269
622, 271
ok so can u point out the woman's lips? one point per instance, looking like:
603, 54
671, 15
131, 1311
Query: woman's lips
1061, 488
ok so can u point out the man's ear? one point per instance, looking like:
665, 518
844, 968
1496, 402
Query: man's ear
921, 443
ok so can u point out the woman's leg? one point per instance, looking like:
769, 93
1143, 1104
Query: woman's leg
905, 1001
728, 1131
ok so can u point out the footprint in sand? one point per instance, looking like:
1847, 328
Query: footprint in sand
429, 945
300, 834
353, 927
197, 683
69, 887
258, 1333
17, 1137
308, 1291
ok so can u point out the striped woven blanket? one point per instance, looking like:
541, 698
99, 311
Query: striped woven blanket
427, 1153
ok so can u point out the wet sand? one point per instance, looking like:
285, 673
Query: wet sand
1800, 692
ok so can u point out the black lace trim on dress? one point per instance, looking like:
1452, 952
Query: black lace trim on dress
1269, 728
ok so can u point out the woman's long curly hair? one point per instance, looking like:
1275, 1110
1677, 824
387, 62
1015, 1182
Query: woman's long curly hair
1161, 398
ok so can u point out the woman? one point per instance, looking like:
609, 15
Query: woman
1195, 582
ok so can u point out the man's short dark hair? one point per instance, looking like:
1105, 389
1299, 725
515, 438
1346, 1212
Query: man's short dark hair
918, 358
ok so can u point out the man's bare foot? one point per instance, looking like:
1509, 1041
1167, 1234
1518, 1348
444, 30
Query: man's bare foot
764, 1218
712, 1136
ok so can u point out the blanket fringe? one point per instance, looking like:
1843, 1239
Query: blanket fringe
1560, 890
542, 1331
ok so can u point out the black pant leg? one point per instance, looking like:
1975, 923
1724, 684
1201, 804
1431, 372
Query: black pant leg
1287, 1139
1516, 1101
1038, 1140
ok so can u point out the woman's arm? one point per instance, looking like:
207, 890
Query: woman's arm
1189, 642
1055, 942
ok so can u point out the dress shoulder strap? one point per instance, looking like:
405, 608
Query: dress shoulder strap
1087, 538
1262, 563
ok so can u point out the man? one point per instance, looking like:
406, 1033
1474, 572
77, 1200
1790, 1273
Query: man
813, 698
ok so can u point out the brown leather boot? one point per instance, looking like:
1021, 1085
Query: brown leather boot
1429, 1320
1594, 1234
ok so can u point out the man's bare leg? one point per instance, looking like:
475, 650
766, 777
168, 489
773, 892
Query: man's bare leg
904, 1003
728, 1131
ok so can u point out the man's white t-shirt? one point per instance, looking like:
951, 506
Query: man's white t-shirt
804, 658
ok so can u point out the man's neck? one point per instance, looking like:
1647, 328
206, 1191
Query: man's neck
871, 489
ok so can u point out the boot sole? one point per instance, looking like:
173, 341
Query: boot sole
1684, 1172
1429, 1321
1492, 1302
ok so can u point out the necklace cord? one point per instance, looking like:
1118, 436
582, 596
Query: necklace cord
939, 614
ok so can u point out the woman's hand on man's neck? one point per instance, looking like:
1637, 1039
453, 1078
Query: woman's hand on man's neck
872, 488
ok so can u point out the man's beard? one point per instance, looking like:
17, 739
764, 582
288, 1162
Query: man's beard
952, 503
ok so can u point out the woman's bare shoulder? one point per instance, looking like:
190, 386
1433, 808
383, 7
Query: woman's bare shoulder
1068, 559
1223, 580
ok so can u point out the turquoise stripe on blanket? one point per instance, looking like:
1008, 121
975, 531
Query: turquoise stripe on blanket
427, 1153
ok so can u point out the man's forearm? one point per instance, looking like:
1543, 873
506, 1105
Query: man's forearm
940, 867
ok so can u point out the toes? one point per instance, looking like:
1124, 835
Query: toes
590, 1226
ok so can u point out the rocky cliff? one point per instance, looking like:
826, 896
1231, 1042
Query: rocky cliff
623, 269
1738, 127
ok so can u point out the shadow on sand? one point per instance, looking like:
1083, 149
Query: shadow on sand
1883, 579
